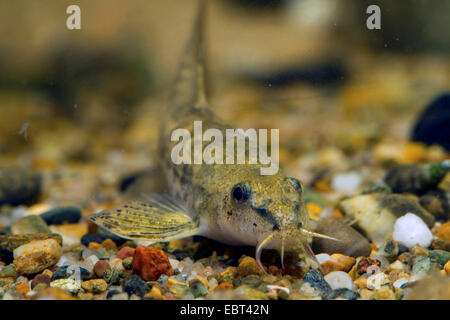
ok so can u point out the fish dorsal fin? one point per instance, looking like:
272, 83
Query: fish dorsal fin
188, 89
156, 219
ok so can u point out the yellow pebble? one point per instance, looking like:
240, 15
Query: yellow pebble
314, 210
447, 267
95, 246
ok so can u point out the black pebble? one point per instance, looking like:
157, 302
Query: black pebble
316, 280
135, 285
19, 185
88, 238
433, 125
70, 214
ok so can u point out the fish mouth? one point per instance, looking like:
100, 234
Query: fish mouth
295, 237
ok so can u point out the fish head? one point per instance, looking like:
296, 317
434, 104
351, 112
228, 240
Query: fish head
270, 205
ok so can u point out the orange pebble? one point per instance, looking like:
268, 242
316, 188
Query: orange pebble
95, 246
22, 288
108, 244
443, 232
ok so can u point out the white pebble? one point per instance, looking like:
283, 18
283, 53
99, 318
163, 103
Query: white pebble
339, 280
346, 182
323, 257
275, 288
374, 282
90, 262
70, 285
410, 230
400, 282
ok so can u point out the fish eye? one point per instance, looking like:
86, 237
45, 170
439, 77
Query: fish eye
295, 183
240, 192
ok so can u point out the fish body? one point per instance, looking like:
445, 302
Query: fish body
231, 203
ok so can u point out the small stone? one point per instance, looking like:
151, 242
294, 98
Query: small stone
347, 261
36, 256
30, 225
339, 280
70, 285
108, 244
439, 256
40, 279
126, 252
443, 232
40, 286
128, 263
447, 267
400, 283
344, 293
346, 182
94, 245
410, 230
323, 257
95, 286
248, 266
135, 285
22, 288
331, 266
384, 293
8, 271
90, 262
316, 280
199, 289
19, 185
100, 267
10, 242
178, 290
375, 281
150, 263
361, 282
62, 215
351, 242
88, 238
111, 276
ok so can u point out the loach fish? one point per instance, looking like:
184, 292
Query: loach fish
230, 203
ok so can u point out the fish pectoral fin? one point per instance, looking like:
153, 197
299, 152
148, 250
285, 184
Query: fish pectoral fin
156, 219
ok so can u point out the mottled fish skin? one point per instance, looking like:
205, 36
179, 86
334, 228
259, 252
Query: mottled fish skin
275, 203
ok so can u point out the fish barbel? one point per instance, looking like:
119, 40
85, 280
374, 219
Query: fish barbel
230, 203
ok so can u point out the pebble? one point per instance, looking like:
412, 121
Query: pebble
375, 281
410, 230
439, 256
339, 280
135, 285
100, 267
322, 257
22, 288
19, 185
88, 238
179, 290
416, 178
401, 283
151, 263
70, 285
10, 242
248, 266
443, 232
126, 252
351, 243
8, 271
29, 225
316, 280
447, 267
40, 279
111, 276
347, 261
62, 215
346, 182
199, 289
95, 285
344, 293
128, 263
432, 125
36, 256
436, 202
108, 244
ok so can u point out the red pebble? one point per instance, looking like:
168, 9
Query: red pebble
125, 252
151, 263
100, 267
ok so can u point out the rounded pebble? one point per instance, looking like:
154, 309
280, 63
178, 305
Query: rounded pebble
339, 280
410, 230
